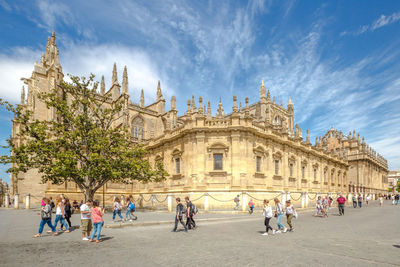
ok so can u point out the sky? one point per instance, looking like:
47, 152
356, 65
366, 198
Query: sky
339, 61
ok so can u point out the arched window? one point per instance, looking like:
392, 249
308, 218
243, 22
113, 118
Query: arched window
138, 128
277, 120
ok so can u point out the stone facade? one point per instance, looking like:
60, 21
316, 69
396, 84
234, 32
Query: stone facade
256, 148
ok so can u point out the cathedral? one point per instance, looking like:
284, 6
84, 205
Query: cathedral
255, 150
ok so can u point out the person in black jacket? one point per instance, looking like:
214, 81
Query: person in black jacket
190, 223
180, 210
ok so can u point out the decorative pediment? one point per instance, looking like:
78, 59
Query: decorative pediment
259, 150
304, 162
315, 165
292, 159
218, 147
277, 155
176, 153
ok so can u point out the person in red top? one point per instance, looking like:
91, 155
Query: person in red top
251, 206
341, 201
97, 219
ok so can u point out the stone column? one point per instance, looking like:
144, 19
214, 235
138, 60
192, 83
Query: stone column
303, 200
169, 203
122, 200
244, 202
306, 199
16, 201
349, 198
235, 163
206, 207
288, 196
283, 199
7, 201
28, 201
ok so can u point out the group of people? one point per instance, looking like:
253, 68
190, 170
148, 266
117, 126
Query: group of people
189, 211
278, 212
322, 206
130, 209
91, 213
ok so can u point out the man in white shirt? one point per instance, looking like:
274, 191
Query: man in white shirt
86, 222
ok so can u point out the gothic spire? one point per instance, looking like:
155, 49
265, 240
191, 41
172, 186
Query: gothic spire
201, 105
220, 111
142, 98
234, 108
193, 106
125, 81
159, 93
114, 74
102, 86
209, 114
23, 95
262, 89
173, 103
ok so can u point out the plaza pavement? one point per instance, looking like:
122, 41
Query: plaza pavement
363, 237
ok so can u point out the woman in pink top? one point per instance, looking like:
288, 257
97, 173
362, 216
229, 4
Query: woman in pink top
97, 219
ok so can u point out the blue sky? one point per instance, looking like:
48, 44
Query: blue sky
338, 60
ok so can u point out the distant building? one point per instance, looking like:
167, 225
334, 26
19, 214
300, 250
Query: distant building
393, 178
255, 148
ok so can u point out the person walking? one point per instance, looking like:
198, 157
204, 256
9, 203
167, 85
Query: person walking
251, 206
290, 210
354, 199
60, 215
341, 200
45, 214
68, 212
97, 219
396, 199
279, 214
236, 200
380, 200
52, 204
128, 210
367, 199
180, 210
360, 198
267, 212
117, 209
86, 219
190, 223
318, 206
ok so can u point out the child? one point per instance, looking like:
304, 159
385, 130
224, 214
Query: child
97, 219
117, 209
251, 206
268, 215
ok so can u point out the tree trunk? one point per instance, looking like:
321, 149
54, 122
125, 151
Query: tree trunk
89, 194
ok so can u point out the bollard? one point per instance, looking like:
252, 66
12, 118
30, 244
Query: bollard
7, 201
16, 201
152, 202
283, 199
169, 203
122, 201
349, 199
306, 199
28, 201
244, 202
303, 200
206, 203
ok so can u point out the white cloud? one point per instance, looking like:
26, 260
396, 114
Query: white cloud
83, 60
383, 20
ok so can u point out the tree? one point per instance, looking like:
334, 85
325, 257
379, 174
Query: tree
87, 143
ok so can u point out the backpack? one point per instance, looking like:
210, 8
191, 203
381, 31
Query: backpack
132, 207
194, 209
182, 209
46, 213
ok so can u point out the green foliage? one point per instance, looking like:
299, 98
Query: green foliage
87, 142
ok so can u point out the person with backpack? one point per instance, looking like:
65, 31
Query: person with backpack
279, 214
180, 210
130, 208
97, 219
190, 211
354, 201
251, 206
117, 209
360, 199
267, 212
45, 214
236, 200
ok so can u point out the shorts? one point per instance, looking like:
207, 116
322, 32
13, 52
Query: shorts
86, 225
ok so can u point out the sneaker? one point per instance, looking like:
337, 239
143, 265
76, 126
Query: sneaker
279, 231
131, 220
291, 230
265, 233
285, 230
85, 239
273, 232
